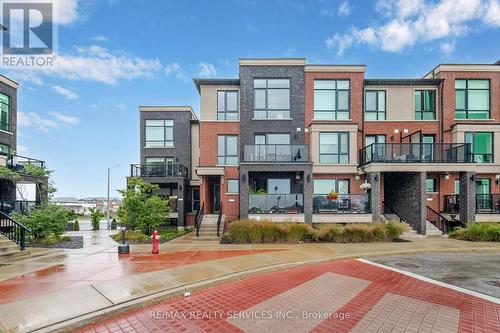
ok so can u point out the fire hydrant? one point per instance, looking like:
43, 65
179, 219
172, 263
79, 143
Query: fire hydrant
156, 241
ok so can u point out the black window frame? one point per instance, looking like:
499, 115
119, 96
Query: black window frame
472, 146
266, 96
336, 111
226, 156
165, 141
466, 96
5, 126
419, 113
377, 91
225, 111
338, 150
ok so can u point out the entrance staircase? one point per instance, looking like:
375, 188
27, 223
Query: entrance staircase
9, 249
431, 230
208, 227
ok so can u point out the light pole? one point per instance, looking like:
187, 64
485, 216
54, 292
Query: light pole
107, 199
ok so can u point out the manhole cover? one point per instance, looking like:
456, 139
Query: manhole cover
493, 282
406, 265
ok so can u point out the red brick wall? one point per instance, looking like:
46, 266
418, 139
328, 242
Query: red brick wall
230, 208
355, 99
208, 139
449, 98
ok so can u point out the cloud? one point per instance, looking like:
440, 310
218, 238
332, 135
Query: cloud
21, 149
100, 38
96, 63
447, 47
45, 124
68, 120
65, 11
206, 70
65, 92
406, 23
344, 9
175, 69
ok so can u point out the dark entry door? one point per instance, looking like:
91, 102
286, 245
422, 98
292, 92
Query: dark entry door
216, 196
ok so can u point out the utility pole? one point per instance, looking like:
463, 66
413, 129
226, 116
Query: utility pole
107, 203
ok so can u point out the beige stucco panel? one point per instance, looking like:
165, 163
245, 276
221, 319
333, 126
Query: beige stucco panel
208, 100
399, 100
315, 129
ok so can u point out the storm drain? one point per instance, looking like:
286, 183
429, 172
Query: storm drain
492, 282
406, 265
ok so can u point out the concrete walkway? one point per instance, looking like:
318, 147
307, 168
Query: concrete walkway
76, 305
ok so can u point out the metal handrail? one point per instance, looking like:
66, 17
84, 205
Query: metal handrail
13, 230
158, 170
219, 219
388, 207
198, 219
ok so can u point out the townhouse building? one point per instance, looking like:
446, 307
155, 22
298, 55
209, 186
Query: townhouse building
291, 141
19, 189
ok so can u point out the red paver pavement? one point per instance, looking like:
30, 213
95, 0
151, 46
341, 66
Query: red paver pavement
388, 302
103, 266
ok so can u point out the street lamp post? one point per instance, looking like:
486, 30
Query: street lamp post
107, 200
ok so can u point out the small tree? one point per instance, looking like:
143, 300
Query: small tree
114, 224
141, 207
76, 226
44, 221
95, 217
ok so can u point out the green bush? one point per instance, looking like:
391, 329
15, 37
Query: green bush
76, 226
242, 232
486, 232
137, 236
44, 221
114, 224
51, 240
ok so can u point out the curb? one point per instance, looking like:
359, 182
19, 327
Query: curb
156, 297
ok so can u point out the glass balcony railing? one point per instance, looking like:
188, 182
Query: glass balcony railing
276, 153
416, 153
276, 203
344, 203
158, 170
485, 203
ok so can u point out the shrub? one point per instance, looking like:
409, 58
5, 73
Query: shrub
95, 217
114, 224
76, 226
299, 232
131, 235
51, 240
487, 232
44, 221
394, 230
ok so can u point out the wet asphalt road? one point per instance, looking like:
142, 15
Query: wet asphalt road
474, 271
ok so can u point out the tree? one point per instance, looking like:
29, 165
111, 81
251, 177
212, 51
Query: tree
95, 217
45, 220
141, 207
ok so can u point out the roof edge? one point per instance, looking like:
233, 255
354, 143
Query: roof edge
9, 82
168, 108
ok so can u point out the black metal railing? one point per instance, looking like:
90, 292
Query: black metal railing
18, 163
343, 203
197, 220
388, 209
219, 220
276, 203
158, 170
13, 230
416, 153
276, 153
18, 206
438, 220
485, 203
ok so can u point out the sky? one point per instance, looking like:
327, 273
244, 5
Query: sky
114, 55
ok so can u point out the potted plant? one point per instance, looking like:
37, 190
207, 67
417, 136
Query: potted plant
332, 196
365, 186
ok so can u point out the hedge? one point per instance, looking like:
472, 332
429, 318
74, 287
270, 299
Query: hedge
486, 232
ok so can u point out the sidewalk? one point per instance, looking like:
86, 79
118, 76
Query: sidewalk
127, 286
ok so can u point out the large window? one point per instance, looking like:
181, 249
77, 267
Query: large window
4, 149
271, 98
430, 185
334, 148
425, 104
227, 105
4, 112
331, 99
272, 139
482, 146
375, 105
159, 133
325, 186
227, 150
472, 99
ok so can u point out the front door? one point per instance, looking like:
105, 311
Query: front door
216, 198
483, 198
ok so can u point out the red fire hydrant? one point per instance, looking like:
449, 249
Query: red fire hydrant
156, 241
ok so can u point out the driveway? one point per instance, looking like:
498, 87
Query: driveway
474, 271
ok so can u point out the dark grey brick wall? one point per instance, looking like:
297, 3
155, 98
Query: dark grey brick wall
467, 197
8, 138
248, 126
405, 191
375, 195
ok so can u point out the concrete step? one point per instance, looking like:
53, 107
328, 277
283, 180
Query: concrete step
8, 247
431, 230
12, 254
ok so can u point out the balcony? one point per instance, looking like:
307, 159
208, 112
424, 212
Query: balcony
276, 203
345, 203
416, 153
158, 170
17, 163
485, 203
276, 153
